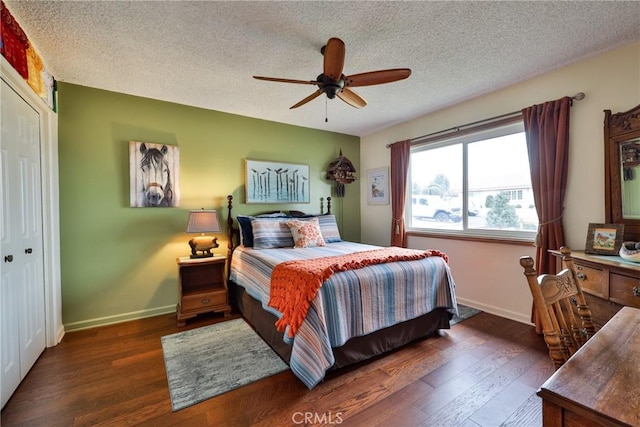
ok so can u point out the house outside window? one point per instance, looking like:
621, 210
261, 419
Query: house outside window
476, 184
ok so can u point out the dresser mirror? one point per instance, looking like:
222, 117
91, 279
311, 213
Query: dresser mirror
622, 170
630, 161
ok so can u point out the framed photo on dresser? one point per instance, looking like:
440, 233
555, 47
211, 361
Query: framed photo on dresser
604, 239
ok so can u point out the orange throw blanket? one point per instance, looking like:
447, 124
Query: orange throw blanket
295, 283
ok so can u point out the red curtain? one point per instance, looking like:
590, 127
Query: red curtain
547, 132
400, 155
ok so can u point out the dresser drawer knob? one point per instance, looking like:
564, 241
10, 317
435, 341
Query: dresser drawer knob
636, 291
205, 300
582, 276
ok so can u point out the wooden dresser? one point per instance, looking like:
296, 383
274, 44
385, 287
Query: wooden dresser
598, 385
609, 283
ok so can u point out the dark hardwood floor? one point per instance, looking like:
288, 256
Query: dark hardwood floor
483, 372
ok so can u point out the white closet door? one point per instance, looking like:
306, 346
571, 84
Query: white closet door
22, 263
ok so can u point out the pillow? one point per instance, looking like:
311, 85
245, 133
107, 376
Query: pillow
273, 215
246, 231
271, 233
306, 234
329, 228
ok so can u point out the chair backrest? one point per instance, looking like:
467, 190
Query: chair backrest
561, 307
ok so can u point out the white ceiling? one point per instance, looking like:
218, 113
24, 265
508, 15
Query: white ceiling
205, 53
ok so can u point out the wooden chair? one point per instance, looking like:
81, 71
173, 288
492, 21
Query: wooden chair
561, 306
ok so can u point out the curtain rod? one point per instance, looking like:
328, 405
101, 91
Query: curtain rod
578, 96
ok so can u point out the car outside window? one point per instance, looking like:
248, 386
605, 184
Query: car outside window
478, 184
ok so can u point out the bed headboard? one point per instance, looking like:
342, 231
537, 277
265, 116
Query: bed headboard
233, 232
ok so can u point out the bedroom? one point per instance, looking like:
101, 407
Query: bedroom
137, 248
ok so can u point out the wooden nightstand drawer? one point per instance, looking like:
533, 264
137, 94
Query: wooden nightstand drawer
196, 302
593, 280
625, 290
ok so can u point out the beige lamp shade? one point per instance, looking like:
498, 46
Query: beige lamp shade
203, 221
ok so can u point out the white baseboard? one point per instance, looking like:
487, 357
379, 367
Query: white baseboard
60, 334
508, 314
119, 318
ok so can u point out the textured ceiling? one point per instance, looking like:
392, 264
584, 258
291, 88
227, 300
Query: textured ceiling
205, 53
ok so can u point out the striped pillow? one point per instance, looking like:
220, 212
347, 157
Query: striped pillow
271, 233
246, 230
329, 228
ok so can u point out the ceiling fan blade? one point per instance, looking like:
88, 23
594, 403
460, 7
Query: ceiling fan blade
314, 95
352, 98
275, 79
377, 77
333, 58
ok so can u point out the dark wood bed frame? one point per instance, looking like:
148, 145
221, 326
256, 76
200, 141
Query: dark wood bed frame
356, 349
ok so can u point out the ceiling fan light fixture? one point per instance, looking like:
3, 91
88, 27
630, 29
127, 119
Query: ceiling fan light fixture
330, 84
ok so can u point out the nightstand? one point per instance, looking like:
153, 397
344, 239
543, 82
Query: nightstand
202, 287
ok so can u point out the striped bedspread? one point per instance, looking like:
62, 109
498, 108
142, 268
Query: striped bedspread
349, 304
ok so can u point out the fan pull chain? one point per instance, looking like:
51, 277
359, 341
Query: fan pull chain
326, 119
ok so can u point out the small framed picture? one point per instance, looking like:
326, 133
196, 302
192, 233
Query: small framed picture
378, 186
604, 239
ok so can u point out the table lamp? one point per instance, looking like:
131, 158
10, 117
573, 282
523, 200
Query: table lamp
203, 221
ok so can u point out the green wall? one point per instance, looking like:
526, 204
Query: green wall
118, 262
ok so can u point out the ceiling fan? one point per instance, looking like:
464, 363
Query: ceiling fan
333, 83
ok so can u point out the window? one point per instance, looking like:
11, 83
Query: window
476, 184
514, 194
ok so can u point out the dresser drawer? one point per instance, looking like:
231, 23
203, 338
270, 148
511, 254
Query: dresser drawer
601, 310
204, 300
624, 290
593, 280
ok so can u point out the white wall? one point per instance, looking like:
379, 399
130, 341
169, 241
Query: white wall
488, 275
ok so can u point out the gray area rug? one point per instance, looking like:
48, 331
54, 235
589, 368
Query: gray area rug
464, 312
205, 362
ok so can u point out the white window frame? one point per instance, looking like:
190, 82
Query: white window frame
471, 135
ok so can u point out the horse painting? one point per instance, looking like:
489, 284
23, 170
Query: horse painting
154, 175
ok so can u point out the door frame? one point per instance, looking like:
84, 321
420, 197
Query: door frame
50, 201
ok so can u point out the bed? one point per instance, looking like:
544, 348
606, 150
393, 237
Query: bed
354, 314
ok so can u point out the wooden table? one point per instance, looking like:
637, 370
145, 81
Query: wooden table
600, 384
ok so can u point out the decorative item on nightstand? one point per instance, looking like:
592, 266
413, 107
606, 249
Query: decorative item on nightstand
203, 221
